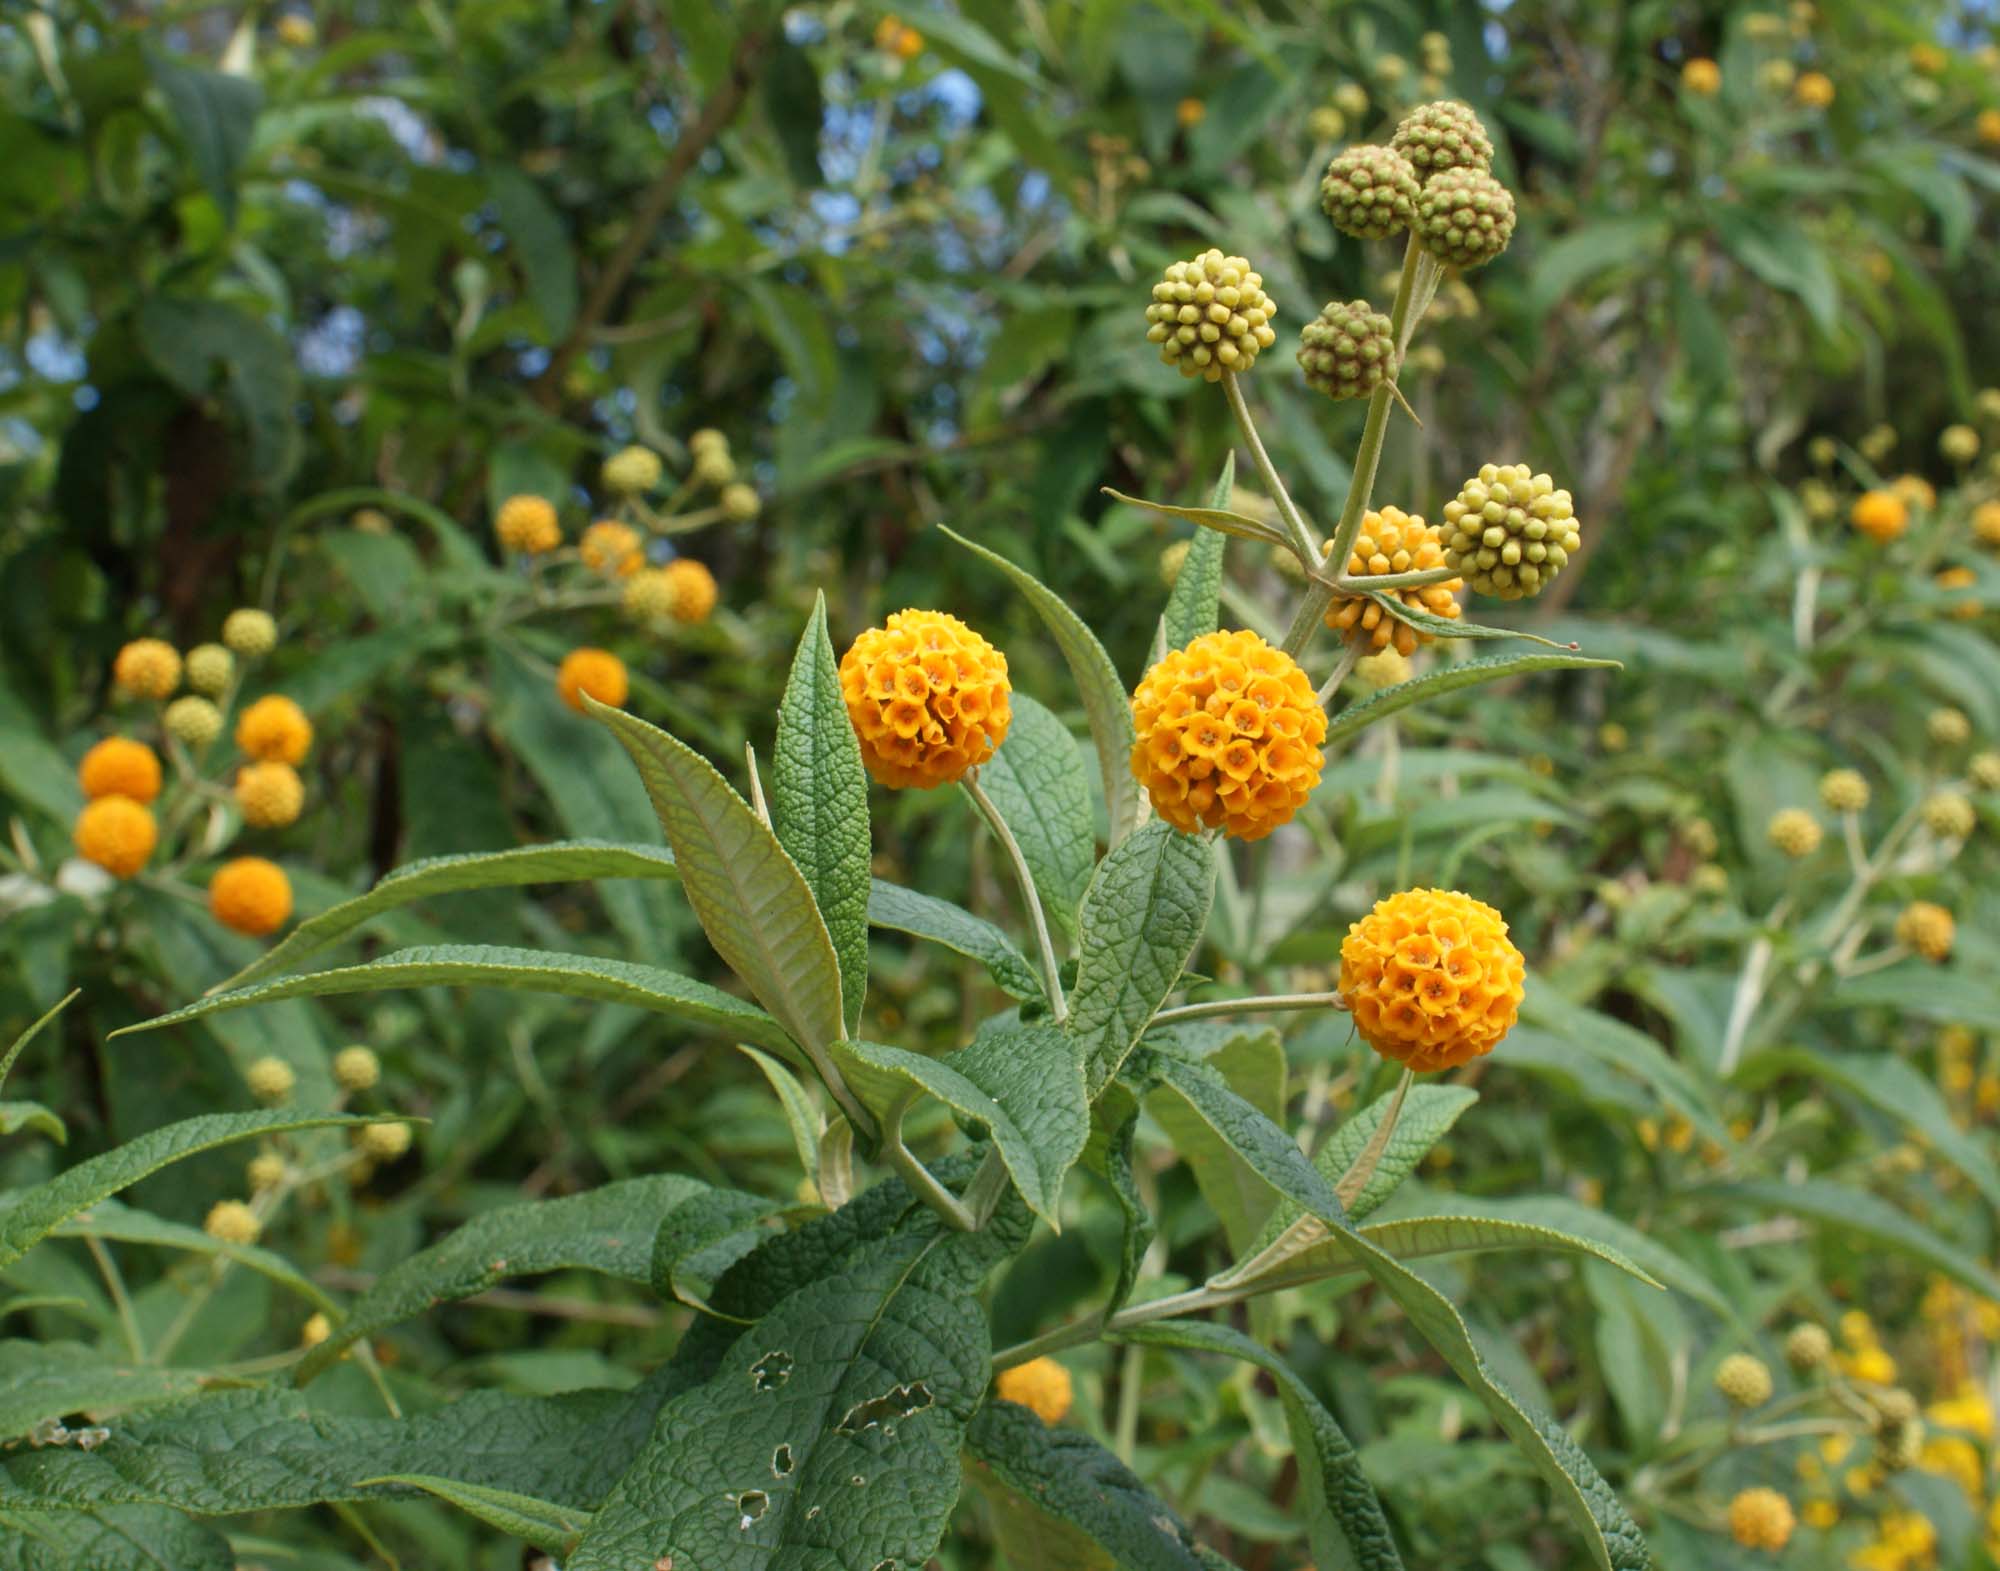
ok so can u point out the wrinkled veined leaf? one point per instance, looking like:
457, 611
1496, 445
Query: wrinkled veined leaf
44, 1380
608, 1230
1344, 1522
752, 899
1041, 785
1192, 602
926, 916
20, 1042
1105, 700
701, 1238
1447, 679
17, 1116
560, 861
28, 1216
1061, 1502
227, 1452
122, 1538
526, 970
1142, 917
869, 1373
819, 804
539, 1522
1025, 1085
1108, 1154
109, 1219
1858, 1213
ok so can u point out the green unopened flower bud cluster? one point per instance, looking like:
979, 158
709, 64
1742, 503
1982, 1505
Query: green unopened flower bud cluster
1509, 532
1435, 177
1211, 315
1348, 350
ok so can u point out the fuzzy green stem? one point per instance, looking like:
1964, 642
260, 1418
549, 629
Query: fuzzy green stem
1319, 593
114, 1284
1304, 543
923, 1183
1275, 1003
1051, 973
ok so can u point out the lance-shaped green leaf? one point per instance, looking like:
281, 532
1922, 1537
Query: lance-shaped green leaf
1041, 785
1061, 1500
123, 1538
926, 916
17, 1116
1114, 1121
128, 1225
543, 1523
559, 861
1193, 601
1024, 1084
1859, 1214
1427, 621
830, 1432
29, 1215
1105, 701
14, 1049
1219, 520
802, 1114
1345, 1523
227, 1452
216, 113
1892, 1086
524, 970
1252, 1063
1610, 1534
819, 803
701, 1238
751, 898
608, 1230
1143, 915
44, 1380
1447, 679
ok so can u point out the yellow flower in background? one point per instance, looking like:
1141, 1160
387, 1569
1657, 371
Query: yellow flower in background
356, 1068
120, 766
232, 1222
612, 548
1880, 515
631, 471
1927, 928
928, 697
597, 672
528, 524
250, 895
1702, 77
692, 589
210, 668
1814, 89
1431, 978
270, 796
1041, 1385
147, 668
116, 833
1761, 1519
274, 730
1794, 831
250, 633
1228, 734
1915, 490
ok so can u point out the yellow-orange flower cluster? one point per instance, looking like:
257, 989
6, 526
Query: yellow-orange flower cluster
250, 895
1880, 515
1761, 1519
274, 730
597, 672
528, 524
1041, 1385
116, 833
119, 766
1928, 928
1229, 735
1392, 541
270, 795
1431, 978
928, 696
611, 548
147, 668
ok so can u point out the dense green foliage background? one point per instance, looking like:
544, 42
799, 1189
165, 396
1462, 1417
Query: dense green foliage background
262, 267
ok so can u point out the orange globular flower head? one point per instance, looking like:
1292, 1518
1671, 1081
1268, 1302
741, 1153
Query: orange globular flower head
928, 696
250, 895
1880, 515
116, 833
120, 766
1392, 541
1229, 735
612, 548
597, 672
1431, 978
270, 795
528, 524
691, 589
274, 730
147, 668
1041, 1385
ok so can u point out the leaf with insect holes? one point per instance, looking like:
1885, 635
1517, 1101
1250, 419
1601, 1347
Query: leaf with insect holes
1142, 917
1105, 701
29, 1214
819, 803
830, 1432
608, 1230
